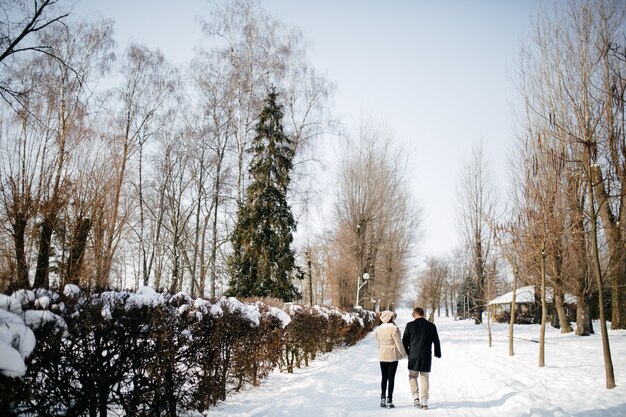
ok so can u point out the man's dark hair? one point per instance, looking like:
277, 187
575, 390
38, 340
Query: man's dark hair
418, 311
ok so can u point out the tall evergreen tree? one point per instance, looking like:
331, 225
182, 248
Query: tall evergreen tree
466, 305
262, 261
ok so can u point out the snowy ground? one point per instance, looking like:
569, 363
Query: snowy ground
470, 380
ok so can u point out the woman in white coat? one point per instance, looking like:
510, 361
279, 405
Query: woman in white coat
390, 351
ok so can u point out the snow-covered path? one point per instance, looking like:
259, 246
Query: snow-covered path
470, 379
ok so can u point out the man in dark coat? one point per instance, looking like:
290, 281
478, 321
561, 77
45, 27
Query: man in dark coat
419, 336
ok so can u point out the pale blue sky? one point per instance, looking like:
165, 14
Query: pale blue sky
439, 74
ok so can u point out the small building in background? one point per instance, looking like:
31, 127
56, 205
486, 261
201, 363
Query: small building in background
527, 304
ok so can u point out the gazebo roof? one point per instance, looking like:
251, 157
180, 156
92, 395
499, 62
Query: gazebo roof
526, 295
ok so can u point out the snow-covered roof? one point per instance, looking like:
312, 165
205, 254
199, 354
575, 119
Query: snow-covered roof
526, 295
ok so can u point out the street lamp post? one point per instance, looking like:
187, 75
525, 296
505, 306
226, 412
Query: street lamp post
366, 276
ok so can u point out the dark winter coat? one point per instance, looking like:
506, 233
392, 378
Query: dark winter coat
419, 336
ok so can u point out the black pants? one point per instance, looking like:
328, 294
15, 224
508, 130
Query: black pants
388, 374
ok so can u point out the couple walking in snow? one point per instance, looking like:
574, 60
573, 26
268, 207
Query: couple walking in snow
418, 338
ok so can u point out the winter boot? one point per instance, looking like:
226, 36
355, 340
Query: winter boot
390, 402
383, 401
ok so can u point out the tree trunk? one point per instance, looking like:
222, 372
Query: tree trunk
112, 225
43, 258
21, 267
616, 270
559, 304
613, 229
202, 257
583, 315
77, 249
542, 334
560, 319
195, 282
579, 253
490, 338
513, 311
479, 269
157, 238
536, 313
618, 301
215, 205
606, 349
142, 221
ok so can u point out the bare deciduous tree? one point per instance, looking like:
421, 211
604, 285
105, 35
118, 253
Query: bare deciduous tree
476, 205
571, 103
24, 32
378, 224
85, 52
431, 284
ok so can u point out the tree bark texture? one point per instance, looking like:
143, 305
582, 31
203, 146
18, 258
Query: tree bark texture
43, 257
77, 249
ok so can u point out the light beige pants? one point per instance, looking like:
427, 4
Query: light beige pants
423, 383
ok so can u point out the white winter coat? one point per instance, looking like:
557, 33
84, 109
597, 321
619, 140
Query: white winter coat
390, 348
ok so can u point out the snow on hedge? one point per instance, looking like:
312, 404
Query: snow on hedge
17, 341
349, 317
18, 320
71, 291
284, 318
203, 307
247, 311
35, 319
10, 304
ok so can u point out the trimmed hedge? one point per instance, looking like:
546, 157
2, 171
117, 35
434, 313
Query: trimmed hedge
157, 354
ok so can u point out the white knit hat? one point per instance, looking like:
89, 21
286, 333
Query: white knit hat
386, 316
